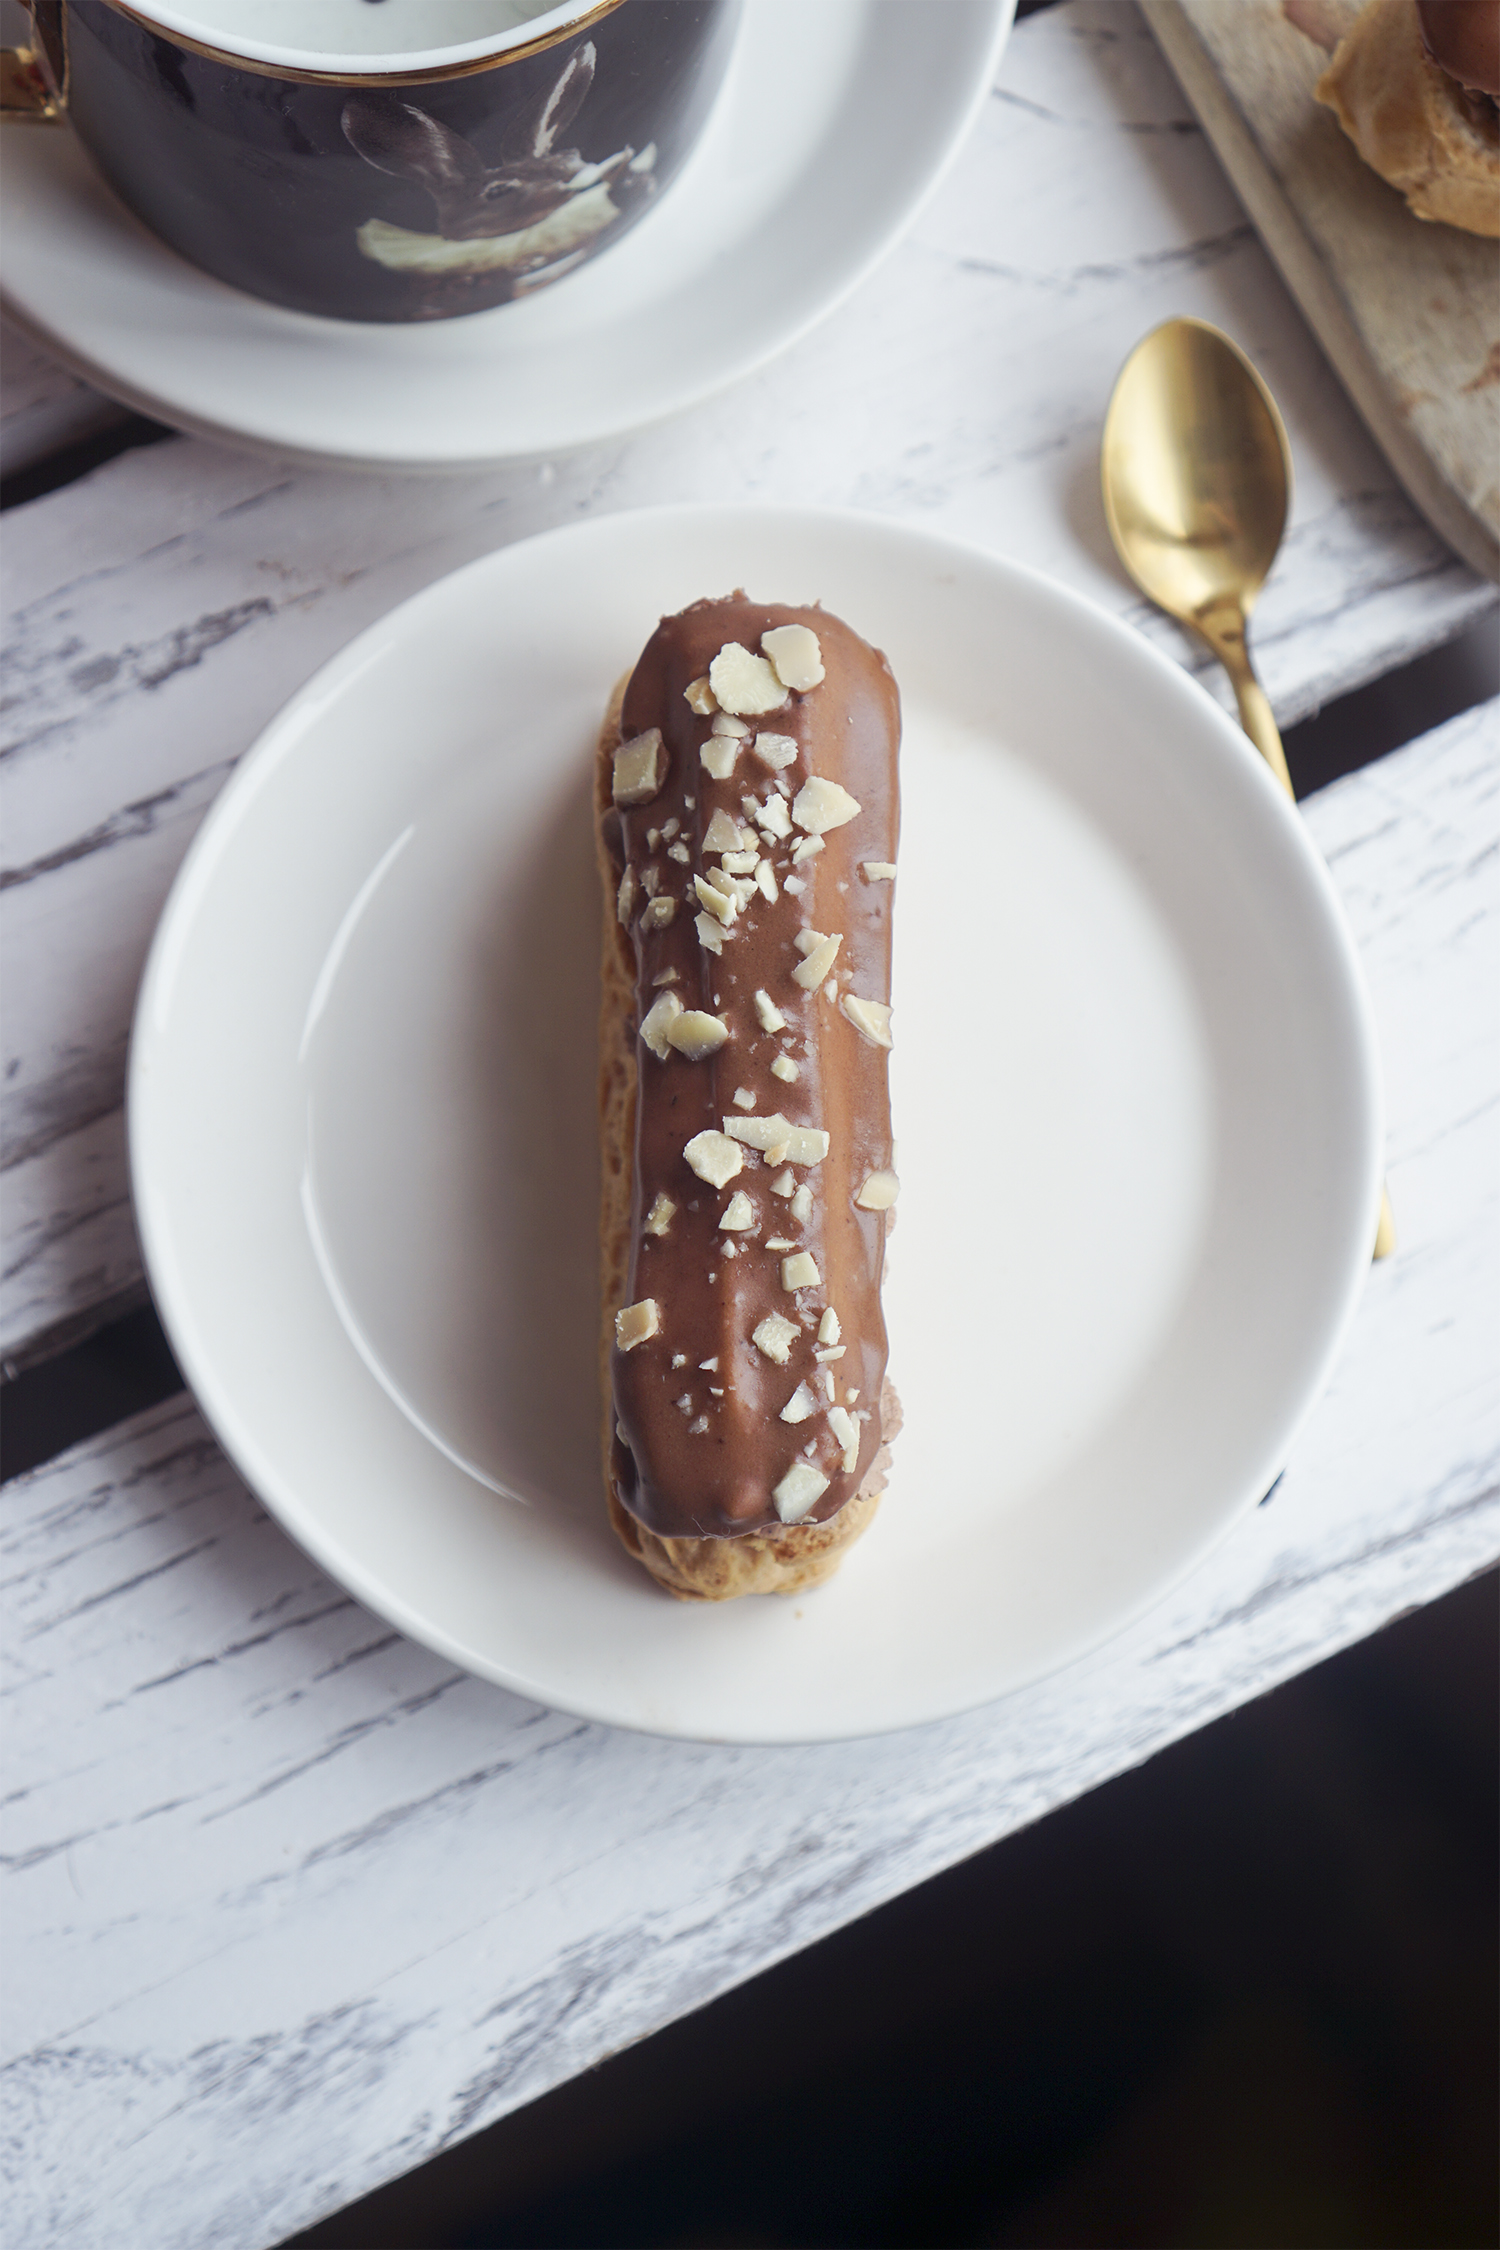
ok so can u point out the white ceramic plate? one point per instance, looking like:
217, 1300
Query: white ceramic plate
804, 179
1134, 1088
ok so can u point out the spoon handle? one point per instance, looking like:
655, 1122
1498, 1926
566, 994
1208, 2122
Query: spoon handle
1222, 624
1259, 723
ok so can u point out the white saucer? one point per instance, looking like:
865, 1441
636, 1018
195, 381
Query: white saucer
804, 179
1134, 1087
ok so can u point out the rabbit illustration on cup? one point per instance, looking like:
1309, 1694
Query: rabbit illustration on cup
506, 228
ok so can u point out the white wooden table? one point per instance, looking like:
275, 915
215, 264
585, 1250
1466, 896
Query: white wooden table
290, 1904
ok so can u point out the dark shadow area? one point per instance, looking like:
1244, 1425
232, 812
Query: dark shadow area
119, 1370
1243, 1995
1393, 710
74, 461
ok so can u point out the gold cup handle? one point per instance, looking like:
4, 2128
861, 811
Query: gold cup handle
34, 79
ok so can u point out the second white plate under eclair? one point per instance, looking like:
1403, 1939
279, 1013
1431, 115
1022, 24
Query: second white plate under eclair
1134, 1090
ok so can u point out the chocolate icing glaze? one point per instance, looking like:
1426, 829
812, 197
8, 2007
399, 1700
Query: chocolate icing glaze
718, 1482
1463, 38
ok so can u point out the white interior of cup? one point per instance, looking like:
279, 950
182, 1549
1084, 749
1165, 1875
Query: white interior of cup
357, 38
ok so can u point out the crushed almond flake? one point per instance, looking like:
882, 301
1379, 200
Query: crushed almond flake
717, 756
739, 1214
779, 1242
710, 933
741, 863
795, 885
879, 1191
725, 722
796, 654
807, 1144
846, 1430
879, 870
808, 848
870, 1018
661, 1214
696, 1034
828, 1327
650, 881
634, 1323
700, 1427
764, 1133
786, 1071
722, 834
699, 697
769, 1015
709, 1366
777, 751
801, 1206
659, 913
640, 768
800, 1271
808, 941
680, 853
745, 685
657, 1020
774, 819
833, 1351
625, 898
775, 1337
821, 804
665, 976
714, 1157
723, 905
784, 1184
765, 881
799, 1491
811, 972
743, 1099
802, 1405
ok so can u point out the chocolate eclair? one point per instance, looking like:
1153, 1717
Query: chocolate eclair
747, 817
1414, 85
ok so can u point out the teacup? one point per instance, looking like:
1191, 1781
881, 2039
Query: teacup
382, 159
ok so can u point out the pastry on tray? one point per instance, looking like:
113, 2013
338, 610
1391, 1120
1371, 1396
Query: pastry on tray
1414, 83
747, 812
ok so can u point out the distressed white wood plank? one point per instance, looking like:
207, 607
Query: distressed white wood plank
43, 406
291, 1905
165, 607
69, 1235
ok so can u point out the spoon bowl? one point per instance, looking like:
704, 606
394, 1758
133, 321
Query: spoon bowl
1197, 472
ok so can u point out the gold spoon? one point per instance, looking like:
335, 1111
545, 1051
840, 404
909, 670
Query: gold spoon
1197, 475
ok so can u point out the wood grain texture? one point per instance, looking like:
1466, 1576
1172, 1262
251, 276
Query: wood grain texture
165, 607
291, 1905
1408, 311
